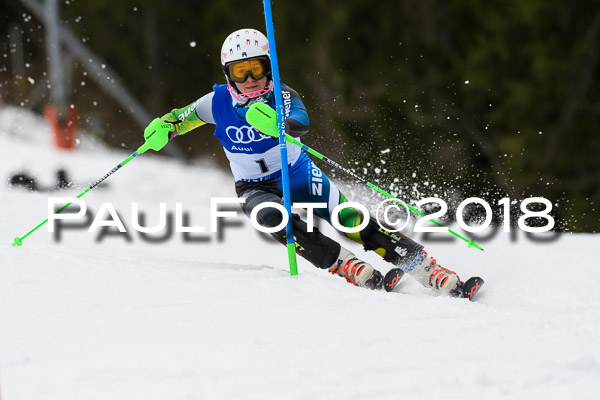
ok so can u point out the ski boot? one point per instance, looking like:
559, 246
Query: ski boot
429, 273
357, 272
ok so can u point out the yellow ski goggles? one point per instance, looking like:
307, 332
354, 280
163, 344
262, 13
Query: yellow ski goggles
239, 71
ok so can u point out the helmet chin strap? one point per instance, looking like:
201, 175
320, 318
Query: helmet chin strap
251, 95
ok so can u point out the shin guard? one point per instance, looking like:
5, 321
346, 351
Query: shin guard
394, 247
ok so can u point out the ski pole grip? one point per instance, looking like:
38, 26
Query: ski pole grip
156, 135
263, 118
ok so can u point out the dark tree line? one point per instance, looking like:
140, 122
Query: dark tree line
489, 99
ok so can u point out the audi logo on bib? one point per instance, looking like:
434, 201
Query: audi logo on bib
244, 134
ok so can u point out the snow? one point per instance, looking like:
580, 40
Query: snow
93, 317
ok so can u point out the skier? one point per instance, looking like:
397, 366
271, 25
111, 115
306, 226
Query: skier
256, 166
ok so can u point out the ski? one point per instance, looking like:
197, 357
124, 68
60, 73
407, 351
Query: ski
469, 288
392, 279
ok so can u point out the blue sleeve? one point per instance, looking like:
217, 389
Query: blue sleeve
296, 122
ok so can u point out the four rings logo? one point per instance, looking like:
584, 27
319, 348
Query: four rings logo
244, 134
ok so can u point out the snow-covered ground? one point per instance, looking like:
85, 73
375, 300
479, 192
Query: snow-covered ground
101, 317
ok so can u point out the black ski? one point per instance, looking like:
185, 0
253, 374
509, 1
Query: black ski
392, 279
469, 288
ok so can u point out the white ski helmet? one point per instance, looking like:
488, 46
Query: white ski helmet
242, 44
245, 44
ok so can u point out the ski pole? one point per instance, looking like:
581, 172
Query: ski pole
155, 142
285, 180
262, 117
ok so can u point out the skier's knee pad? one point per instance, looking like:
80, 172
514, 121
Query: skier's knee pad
268, 216
350, 217
394, 247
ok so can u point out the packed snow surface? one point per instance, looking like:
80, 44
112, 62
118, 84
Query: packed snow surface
94, 316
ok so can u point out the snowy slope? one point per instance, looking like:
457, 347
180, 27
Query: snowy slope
222, 319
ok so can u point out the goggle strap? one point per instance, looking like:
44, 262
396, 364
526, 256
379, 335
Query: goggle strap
251, 95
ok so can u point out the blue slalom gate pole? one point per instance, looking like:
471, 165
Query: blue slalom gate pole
287, 201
